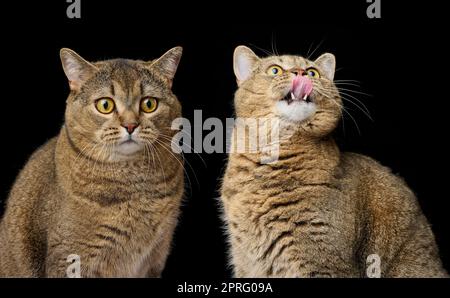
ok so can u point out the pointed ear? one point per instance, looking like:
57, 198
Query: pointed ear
76, 68
167, 64
244, 60
327, 63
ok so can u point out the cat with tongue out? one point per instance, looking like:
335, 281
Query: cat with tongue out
297, 105
315, 211
301, 86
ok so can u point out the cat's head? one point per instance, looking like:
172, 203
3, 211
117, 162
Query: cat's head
297, 91
118, 107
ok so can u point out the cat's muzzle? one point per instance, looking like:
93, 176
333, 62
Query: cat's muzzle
290, 98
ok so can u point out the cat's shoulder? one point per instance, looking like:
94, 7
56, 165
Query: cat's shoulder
35, 176
43, 157
363, 162
374, 173
46, 150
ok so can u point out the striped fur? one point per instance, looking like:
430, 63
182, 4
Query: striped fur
317, 212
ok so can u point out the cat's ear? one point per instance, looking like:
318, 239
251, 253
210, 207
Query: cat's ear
327, 63
244, 60
167, 64
76, 68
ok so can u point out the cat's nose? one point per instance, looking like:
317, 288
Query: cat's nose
297, 71
130, 127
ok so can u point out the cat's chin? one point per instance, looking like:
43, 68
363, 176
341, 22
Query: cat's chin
128, 148
296, 111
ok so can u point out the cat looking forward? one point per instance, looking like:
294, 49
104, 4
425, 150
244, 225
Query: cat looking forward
107, 188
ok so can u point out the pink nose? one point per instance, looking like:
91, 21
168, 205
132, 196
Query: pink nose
130, 127
301, 86
297, 71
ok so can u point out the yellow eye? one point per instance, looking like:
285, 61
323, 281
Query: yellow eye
105, 105
274, 70
149, 104
313, 73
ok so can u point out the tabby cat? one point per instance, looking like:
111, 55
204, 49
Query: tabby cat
314, 211
107, 188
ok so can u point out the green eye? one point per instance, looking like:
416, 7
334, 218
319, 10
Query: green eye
274, 70
105, 105
149, 104
313, 73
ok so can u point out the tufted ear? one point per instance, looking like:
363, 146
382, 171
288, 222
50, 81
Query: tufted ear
244, 60
167, 64
327, 63
77, 69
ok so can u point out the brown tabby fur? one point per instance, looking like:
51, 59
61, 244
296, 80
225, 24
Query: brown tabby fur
316, 212
77, 195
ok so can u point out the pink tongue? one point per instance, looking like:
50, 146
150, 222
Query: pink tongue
301, 86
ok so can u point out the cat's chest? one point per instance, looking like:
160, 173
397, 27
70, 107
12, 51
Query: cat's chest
143, 223
300, 216
310, 201
138, 250
108, 190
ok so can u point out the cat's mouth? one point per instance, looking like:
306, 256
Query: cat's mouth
129, 141
129, 146
290, 98
300, 90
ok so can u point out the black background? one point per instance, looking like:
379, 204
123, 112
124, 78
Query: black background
395, 59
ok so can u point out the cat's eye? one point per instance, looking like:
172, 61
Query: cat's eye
149, 104
105, 105
313, 73
275, 70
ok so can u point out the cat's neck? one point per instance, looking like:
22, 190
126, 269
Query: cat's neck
319, 152
310, 151
73, 164
309, 160
287, 143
